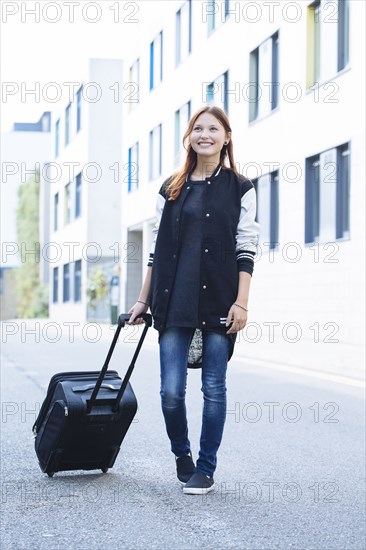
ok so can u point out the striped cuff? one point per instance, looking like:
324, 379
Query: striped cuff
151, 259
245, 261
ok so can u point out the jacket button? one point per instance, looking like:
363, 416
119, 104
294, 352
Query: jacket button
208, 182
166, 290
207, 215
203, 322
204, 286
188, 187
177, 219
206, 249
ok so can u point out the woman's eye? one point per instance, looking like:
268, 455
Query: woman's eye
199, 129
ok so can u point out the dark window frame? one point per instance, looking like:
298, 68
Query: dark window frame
78, 195
67, 124
77, 281
67, 199
66, 283
57, 138
78, 108
178, 31
55, 284
129, 168
211, 86
151, 151
312, 195
343, 34
274, 207
56, 205
154, 84
254, 61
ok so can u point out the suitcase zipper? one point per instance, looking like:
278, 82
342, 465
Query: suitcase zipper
43, 427
65, 376
35, 427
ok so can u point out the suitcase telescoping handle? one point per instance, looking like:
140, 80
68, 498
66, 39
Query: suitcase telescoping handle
121, 323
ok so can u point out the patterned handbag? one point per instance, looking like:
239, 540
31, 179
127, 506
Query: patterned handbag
195, 351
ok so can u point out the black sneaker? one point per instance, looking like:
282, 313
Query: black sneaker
199, 484
185, 467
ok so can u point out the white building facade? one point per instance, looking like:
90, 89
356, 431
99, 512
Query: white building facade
290, 79
85, 197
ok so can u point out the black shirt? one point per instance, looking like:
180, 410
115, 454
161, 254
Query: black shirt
184, 300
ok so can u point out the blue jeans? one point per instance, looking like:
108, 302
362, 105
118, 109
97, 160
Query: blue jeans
174, 347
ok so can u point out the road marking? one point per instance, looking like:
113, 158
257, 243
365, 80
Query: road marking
300, 371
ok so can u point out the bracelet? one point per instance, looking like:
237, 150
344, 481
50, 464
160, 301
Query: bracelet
241, 307
143, 303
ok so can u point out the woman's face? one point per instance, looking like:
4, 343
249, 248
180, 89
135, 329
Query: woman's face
208, 135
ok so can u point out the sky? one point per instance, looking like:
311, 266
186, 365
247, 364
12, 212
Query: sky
34, 53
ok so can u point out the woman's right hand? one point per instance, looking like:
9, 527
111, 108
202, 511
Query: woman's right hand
136, 310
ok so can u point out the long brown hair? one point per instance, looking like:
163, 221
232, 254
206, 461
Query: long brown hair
178, 178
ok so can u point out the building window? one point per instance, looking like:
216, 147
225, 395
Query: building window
217, 13
133, 167
343, 34
267, 192
55, 285
217, 92
77, 281
155, 153
55, 211
156, 61
67, 203
183, 32
57, 138
66, 283
343, 192
67, 124
78, 195
327, 191
78, 108
327, 39
134, 92
182, 117
263, 78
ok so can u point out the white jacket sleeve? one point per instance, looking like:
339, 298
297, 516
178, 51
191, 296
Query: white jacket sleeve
247, 235
160, 202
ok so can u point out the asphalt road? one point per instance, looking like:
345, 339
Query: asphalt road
290, 474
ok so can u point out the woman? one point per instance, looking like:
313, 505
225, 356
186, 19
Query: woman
197, 285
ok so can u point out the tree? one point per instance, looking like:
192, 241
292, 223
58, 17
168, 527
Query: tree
31, 295
97, 288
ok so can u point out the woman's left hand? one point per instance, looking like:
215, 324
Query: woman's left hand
239, 317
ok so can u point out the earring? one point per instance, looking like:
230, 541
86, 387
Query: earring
225, 142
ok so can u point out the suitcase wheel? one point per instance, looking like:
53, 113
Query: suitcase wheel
104, 470
50, 474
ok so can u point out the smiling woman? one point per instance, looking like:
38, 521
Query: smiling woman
200, 266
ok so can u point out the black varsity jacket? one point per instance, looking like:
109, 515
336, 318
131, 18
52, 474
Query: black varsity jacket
229, 245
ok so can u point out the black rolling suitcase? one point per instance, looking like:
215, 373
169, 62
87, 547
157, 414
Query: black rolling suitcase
85, 415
